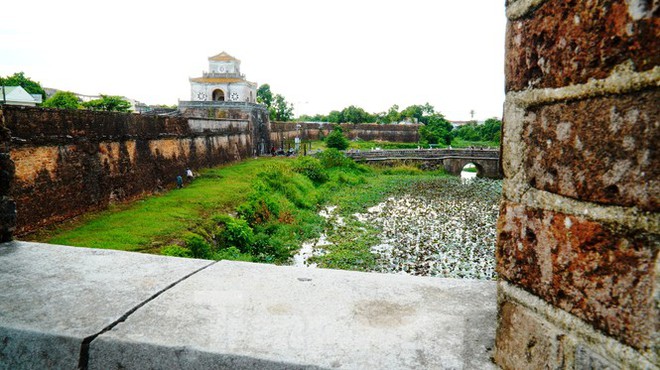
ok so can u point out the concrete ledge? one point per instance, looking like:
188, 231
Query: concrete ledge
136, 311
54, 298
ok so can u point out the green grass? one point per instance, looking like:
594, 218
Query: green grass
171, 221
147, 224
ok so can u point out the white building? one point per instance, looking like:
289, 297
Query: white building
223, 82
16, 95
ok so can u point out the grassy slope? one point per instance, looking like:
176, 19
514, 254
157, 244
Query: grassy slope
146, 224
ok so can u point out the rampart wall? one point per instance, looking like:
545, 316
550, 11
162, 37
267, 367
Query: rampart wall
578, 232
65, 163
284, 131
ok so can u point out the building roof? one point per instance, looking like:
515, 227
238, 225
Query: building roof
223, 57
16, 95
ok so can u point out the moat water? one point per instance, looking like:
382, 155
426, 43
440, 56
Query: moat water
444, 229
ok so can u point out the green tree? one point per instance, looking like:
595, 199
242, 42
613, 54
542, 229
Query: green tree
491, 130
335, 116
436, 128
264, 95
19, 79
336, 139
108, 103
281, 110
393, 115
63, 100
355, 114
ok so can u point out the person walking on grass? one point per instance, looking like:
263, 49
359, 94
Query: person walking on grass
189, 174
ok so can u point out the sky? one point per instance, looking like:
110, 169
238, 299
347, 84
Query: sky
320, 55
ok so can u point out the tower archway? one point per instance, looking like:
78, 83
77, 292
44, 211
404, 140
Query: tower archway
218, 95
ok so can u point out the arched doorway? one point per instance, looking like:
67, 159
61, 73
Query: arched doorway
218, 95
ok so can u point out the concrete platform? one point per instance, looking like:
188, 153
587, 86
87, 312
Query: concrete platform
231, 315
55, 298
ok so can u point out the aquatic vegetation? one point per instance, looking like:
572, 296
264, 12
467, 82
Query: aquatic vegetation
442, 227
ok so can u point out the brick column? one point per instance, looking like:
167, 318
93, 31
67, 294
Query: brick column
578, 232
7, 205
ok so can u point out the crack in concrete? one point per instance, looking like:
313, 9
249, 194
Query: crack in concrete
83, 361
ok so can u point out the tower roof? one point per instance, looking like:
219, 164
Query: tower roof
223, 57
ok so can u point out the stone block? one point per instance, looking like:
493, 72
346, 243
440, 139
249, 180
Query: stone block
569, 42
600, 150
525, 341
599, 273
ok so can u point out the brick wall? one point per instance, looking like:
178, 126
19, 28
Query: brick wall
283, 131
66, 163
7, 205
577, 249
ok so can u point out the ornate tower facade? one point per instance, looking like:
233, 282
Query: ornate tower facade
223, 82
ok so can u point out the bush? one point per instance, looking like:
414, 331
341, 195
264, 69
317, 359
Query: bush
310, 167
260, 207
232, 254
334, 158
336, 139
176, 251
234, 233
198, 246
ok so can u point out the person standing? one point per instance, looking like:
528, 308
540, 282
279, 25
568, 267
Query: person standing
189, 174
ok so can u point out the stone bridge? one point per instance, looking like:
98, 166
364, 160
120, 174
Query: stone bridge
487, 161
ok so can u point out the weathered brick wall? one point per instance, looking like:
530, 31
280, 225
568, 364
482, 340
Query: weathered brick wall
7, 205
577, 249
283, 131
71, 162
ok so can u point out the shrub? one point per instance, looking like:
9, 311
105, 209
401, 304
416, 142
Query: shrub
176, 251
260, 207
232, 254
310, 167
334, 158
234, 233
198, 246
336, 139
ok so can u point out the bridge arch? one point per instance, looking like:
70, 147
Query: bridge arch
479, 168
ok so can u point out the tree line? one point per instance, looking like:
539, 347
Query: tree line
66, 99
435, 129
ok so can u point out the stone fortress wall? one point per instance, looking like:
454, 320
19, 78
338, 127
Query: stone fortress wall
578, 233
57, 164
66, 163
286, 131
